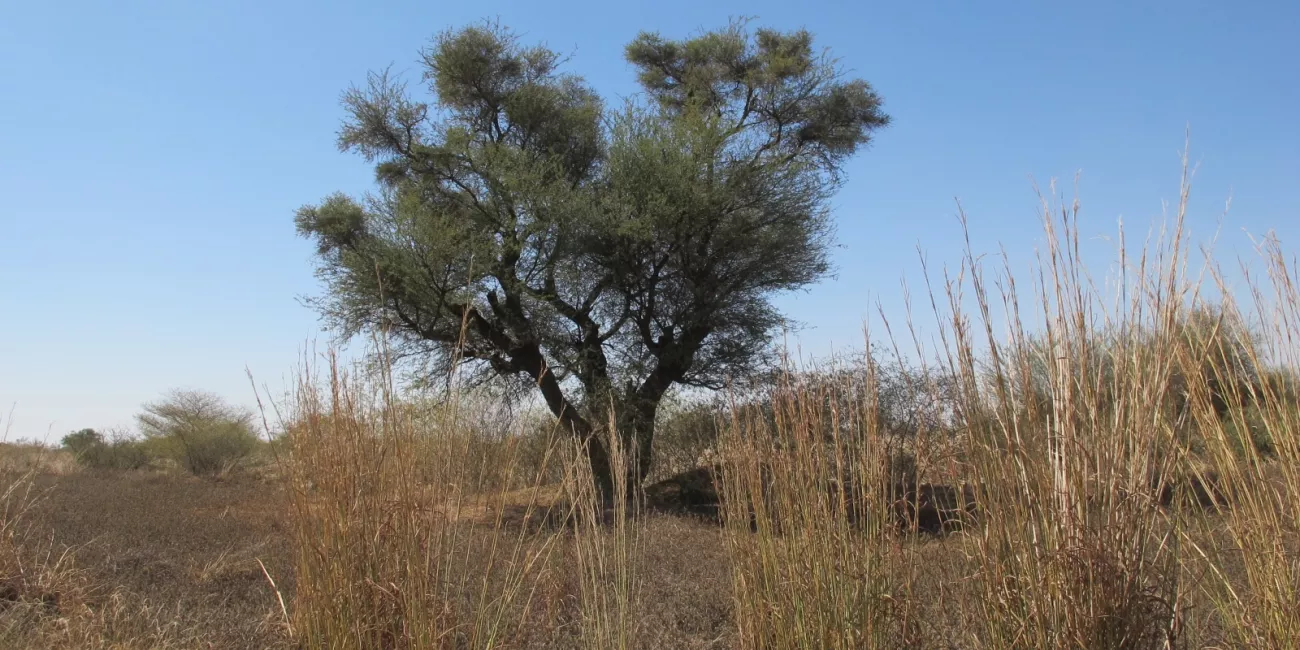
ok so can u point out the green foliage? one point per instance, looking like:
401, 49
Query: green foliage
1249, 428
93, 450
527, 231
199, 431
79, 442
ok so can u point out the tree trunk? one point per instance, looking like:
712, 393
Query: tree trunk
633, 419
602, 466
638, 438
633, 430
531, 360
595, 449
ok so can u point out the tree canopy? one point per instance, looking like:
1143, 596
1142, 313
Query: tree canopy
525, 229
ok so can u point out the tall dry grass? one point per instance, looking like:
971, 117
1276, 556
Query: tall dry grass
1103, 442
807, 497
1260, 527
1071, 442
1106, 436
386, 513
420, 527
39, 583
607, 537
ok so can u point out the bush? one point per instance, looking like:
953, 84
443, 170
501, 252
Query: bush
118, 452
199, 431
81, 442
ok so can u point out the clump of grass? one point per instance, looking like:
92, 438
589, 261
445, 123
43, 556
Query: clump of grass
1130, 453
607, 537
1260, 483
1106, 432
806, 502
37, 578
386, 556
1069, 449
21, 456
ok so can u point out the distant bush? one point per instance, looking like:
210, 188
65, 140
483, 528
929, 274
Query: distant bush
117, 452
535, 449
1213, 379
80, 442
199, 431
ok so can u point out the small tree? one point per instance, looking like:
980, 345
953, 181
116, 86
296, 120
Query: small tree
83, 442
601, 256
199, 430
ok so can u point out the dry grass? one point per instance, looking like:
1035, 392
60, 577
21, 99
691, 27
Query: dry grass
163, 560
142, 561
22, 457
805, 497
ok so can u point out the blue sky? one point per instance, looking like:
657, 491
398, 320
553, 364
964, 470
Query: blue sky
152, 155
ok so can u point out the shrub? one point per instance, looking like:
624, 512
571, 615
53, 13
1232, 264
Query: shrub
117, 452
199, 431
83, 441
34, 456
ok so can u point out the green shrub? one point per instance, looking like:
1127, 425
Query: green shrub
94, 451
81, 442
199, 431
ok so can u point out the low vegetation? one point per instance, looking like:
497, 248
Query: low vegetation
94, 450
191, 430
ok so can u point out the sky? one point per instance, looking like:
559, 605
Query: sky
152, 155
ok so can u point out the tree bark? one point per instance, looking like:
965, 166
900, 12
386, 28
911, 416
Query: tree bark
571, 420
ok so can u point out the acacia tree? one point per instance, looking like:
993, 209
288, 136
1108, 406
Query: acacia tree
602, 255
199, 429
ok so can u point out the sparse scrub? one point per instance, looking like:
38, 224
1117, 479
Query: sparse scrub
37, 580
687, 431
23, 456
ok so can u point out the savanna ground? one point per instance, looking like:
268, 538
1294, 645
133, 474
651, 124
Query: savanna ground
1115, 474
162, 560
168, 560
